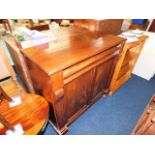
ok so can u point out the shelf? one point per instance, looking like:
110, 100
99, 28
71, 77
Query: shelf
130, 56
124, 69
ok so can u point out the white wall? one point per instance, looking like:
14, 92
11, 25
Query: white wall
145, 66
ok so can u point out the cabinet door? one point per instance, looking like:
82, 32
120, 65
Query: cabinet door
103, 75
77, 93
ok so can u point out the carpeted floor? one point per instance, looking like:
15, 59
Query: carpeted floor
115, 115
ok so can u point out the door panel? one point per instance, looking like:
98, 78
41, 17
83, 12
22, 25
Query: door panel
77, 93
102, 76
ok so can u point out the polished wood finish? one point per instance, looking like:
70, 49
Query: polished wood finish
101, 27
146, 123
4, 95
126, 63
5, 123
12, 87
152, 27
32, 113
6, 69
74, 76
38, 27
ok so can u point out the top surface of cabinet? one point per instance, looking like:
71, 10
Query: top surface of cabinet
74, 49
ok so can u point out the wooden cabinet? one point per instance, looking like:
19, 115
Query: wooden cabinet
104, 26
126, 63
152, 27
39, 27
74, 77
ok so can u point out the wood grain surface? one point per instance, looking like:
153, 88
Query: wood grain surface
32, 113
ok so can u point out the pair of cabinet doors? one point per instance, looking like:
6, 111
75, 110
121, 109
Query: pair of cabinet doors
88, 84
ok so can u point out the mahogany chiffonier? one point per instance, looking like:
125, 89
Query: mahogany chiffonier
126, 63
72, 78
